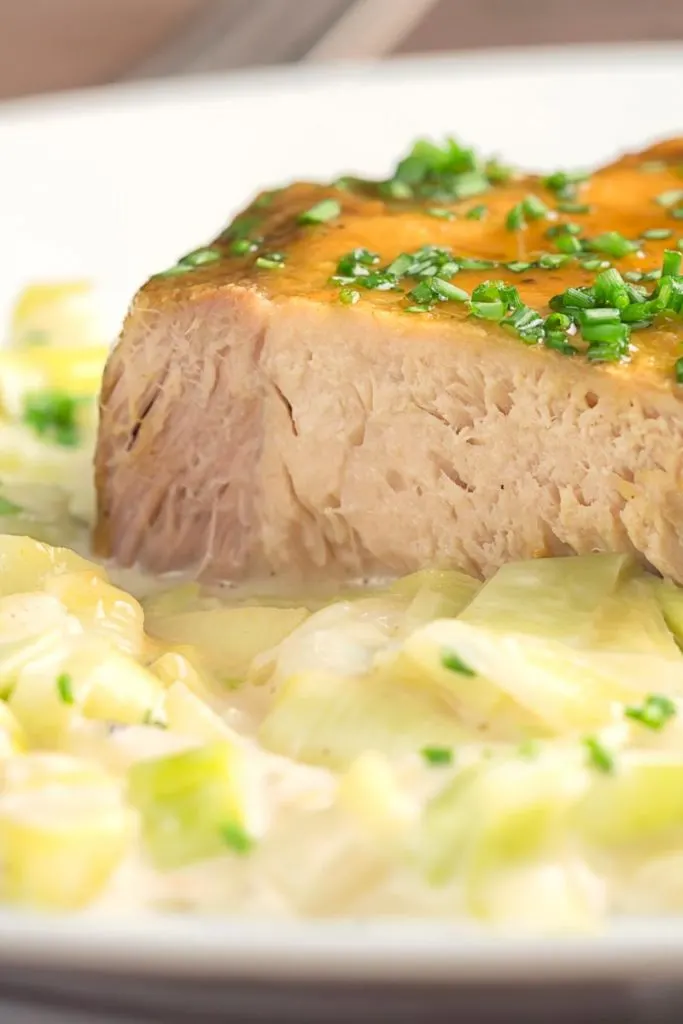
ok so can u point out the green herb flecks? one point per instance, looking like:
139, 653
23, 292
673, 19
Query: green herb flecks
454, 663
8, 508
349, 296
442, 173
237, 839
53, 416
437, 756
477, 212
655, 711
64, 684
200, 257
270, 261
326, 209
599, 757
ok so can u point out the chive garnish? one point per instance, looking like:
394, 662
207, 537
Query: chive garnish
326, 209
671, 197
533, 207
451, 661
65, 688
237, 838
271, 261
570, 207
8, 508
242, 246
678, 370
599, 756
437, 755
612, 243
53, 415
200, 257
441, 213
654, 234
654, 712
477, 212
518, 266
515, 218
349, 296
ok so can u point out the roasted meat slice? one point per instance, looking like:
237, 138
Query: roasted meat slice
332, 387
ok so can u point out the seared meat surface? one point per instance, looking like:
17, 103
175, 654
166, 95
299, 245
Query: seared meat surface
258, 417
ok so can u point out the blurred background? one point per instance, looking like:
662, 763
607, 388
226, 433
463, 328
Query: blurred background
48, 45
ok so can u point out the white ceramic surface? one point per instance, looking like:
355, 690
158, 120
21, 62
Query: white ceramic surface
117, 183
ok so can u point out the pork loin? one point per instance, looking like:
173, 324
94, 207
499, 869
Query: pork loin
258, 417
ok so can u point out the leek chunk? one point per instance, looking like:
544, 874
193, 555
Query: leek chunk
192, 804
328, 720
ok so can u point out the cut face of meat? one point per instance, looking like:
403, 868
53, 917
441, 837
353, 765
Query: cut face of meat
259, 418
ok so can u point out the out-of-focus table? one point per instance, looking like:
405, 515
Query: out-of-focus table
57, 44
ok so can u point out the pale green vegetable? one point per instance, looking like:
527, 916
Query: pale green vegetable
455, 588
194, 805
30, 625
557, 598
185, 713
25, 564
670, 598
641, 802
559, 686
228, 639
60, 845
83, 676
329, 720
497, 815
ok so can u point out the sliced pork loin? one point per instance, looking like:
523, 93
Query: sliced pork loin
257, 418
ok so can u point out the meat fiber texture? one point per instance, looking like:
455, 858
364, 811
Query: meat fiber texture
253, 424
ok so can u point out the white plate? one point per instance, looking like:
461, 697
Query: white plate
117, 183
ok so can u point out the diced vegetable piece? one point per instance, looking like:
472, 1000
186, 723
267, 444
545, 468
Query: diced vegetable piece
550, 597
329, 720
186, 714
178, 667
455, 588
228, 639
59, 847
25, 564
101, 608
342, 639
171, 601
370, 791
498, 814
640, 803
564, 688
670, 598
59, 314
30, 624
103, 683
12, 737
192, 804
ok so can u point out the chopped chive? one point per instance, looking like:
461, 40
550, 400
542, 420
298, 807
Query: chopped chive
326, 209
53, 415
242, 246
349, 296
561, 180
518, 266
8, 508
653, 234
592, 264
568, 244
598, 755
634, 276
418, 309
477, 212
179, 268
437, 755
441, 213
474, 264
401, 265
494, 310
670, 198
565, 228
396, 189
533, 207
678, 370
677, 214
451, 661
552, 260
671, 263
654, 712
569, 207
515, 218
422, 293
237, 838
65, 688
273, 261
613, 244
200, 257
448, 291
652, 275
